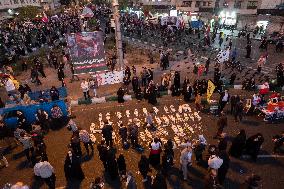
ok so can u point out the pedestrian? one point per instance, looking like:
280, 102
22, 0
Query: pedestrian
103, 153
144, 168
72, 167
24, 65
233, 100
107, 133
86, 139
26, 140
112, 166
45, 171
159, 181
42, 119
75, 144
198, 101
121, 166
238, 144
56, 116
120, 94
253, 145
222, 171
221, 124
133, 134
122, 131
211, 180
130, 181
278, 143
185, 161
187, 91
198, 148
85, 87
155, 152
223, 142
239, 111
248, 48
168, 157
224, 99
54, 93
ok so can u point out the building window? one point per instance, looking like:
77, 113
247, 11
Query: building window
16, 2
238, 4
186, 3
209, 4
204, 3
252, 5
22, 1
197, 4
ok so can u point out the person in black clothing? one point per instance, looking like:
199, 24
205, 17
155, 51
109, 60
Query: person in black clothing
159, 182
144, 167
127, 72
75, 144
42, 119
55, 62
138, 94
248, 48
223, 143
103, 152
54, 93
133, 134
150, 76
107, 133
222, 171
60, 73
39, 67
239, 111
34, 76
24, 66
168, 157
187, 91
72, 167
253, 145
233, 78
135, 83
112, 166
151, 93
121, 165
22, 122
233, 104
120, 94
123, 134
238, 144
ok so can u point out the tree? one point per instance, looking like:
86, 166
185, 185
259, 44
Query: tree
28, 12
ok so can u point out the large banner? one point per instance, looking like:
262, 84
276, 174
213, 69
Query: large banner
87, 52
109, 77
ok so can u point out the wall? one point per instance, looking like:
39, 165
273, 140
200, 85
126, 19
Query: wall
12, 4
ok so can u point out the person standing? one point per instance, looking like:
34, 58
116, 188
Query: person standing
187, 91
85, 88
26, 140
72, 167
155, 152
222, 171
199, 147
120, 95
130, 181
159, 182
224, 99
54, 93
239, 111
94, 85
107, 133
144, 168
253, 145
103, 153
185, 161
112, 166
121, 165
248, 48
133, 134
85, 138
45, 171
122, 131
238, 144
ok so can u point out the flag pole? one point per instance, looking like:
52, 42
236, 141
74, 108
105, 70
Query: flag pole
118, 37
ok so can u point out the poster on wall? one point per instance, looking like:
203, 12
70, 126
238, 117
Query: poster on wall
87, 52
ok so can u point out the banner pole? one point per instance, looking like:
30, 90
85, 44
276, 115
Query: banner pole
118, 37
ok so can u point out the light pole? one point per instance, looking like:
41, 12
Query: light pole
118, 37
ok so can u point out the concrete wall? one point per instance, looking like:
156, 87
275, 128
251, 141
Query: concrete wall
270, 4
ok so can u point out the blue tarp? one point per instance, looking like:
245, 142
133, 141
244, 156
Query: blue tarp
30, 111
35, 95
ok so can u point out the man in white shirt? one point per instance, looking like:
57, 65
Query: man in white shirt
224, 99
9, 86
44, 170
185, 160
85, 87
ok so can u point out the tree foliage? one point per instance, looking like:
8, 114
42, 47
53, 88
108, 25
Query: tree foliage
28, 12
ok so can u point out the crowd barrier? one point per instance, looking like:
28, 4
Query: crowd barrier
29, 111
36, 94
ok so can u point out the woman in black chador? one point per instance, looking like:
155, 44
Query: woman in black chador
238, 144
72, 167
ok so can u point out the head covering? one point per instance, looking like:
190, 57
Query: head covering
202, 140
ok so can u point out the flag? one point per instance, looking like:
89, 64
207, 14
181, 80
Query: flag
210, 89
